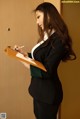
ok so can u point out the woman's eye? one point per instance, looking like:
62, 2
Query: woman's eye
38, 17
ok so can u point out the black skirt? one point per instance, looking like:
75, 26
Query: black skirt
44, 110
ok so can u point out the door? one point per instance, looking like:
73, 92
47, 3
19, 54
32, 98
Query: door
70, 71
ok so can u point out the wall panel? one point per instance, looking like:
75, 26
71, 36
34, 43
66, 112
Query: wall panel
17, 26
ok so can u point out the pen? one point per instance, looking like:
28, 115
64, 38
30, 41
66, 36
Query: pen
17, 48
21, 47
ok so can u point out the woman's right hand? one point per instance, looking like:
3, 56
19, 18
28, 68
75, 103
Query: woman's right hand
19, 49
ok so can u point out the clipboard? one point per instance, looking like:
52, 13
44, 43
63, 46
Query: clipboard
17, 55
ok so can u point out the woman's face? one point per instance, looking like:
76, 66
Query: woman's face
40, 19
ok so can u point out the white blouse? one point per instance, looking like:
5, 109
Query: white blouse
37, 45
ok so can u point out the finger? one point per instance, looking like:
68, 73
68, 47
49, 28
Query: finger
15, 47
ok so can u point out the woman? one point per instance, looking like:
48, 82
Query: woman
54, 46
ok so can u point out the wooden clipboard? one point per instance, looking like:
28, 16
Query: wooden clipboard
15, 54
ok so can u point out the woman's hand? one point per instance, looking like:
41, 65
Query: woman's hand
19, 49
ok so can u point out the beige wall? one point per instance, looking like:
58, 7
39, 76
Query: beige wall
14, 77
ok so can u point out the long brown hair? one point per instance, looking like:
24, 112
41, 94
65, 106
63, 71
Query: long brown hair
53, 20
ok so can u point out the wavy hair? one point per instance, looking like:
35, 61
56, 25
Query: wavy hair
53, 20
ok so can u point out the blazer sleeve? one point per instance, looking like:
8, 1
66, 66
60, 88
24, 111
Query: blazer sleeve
53, 59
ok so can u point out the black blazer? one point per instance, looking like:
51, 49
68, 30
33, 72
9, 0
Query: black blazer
46, 86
